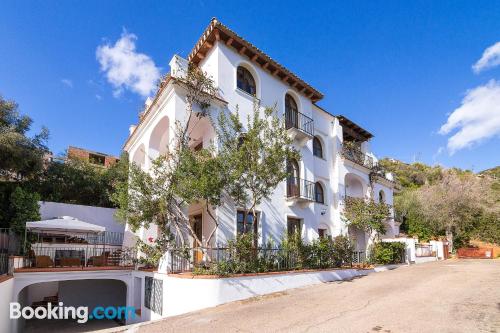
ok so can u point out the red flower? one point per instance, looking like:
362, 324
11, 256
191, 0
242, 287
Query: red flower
150, 239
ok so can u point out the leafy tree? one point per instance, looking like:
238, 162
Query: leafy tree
77, 181
24, 208
455, 204
176, 178
256, 152
368, 216
409, 211
21, 156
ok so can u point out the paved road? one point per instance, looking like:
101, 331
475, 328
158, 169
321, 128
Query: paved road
449, 296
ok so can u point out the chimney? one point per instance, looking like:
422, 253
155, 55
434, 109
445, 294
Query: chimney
178, 67
131, 129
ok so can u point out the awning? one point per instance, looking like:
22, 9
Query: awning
64, 223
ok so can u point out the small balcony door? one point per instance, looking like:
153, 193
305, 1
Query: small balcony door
197, 223
293, 180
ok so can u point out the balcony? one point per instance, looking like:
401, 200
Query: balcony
353, 153
299, 126
299, 189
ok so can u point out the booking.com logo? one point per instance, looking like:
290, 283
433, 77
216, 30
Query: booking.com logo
80, 313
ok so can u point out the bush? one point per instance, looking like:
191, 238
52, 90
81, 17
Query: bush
387, 253
293, 253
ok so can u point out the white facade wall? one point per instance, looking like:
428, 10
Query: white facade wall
332, 171
91, 214
6, 292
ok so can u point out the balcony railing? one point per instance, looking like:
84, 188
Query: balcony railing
295, 119
299, 188
103, 238
354, 154
43, 255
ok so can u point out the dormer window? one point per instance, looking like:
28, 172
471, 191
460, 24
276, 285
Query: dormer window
245, 81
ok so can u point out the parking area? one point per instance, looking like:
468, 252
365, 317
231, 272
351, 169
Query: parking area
445, 296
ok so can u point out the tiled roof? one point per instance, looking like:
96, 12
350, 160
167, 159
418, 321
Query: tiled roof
216, 31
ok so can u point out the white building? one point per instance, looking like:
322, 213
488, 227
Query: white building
312, 200
325, 175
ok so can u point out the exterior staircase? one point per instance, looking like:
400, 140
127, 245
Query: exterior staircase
54, 300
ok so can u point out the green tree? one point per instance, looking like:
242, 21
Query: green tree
21, 156
408, 211
176, 178
24, 208
256, 152
368, 216
77, 181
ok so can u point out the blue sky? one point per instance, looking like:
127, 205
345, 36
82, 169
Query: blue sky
398, 69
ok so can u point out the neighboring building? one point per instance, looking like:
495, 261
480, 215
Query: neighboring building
99, 159
336, 157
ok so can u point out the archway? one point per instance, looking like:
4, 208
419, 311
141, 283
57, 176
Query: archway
158, 141
139, 157
89, 293
354, 186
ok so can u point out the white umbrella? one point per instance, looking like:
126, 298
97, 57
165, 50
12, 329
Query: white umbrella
64, 223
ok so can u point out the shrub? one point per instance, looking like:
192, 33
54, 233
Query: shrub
342, 250
387, 253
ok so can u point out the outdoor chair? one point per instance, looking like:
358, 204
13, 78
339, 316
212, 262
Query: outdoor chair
99, 260
43, 262
70, 262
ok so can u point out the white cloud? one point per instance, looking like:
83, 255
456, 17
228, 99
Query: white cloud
477, 119
490, 58
67, 83
437, 153
127, 69
98, 97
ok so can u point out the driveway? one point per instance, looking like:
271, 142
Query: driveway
446, 296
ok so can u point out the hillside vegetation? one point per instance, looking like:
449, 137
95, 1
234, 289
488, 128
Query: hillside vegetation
434, 201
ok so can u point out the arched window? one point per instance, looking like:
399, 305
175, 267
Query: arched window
291, 112
381, 196
293, 181
319, 195
317, 147
245, 81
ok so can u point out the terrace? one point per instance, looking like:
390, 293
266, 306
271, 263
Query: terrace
352, 152
68, 244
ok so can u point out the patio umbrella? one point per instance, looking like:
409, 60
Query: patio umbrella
64, 223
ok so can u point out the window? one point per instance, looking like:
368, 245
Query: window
381, 196
322, 233
293, 180
319, 195
245, 81
241, 228
96, 159
291, 112
293, 226
153, 294
317, 147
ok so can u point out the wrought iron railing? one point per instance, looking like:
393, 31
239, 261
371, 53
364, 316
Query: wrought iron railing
102, 238
43, 256
295, 119
358, 257
10, 244
423, 250
267, 259
356, 155
299, 188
